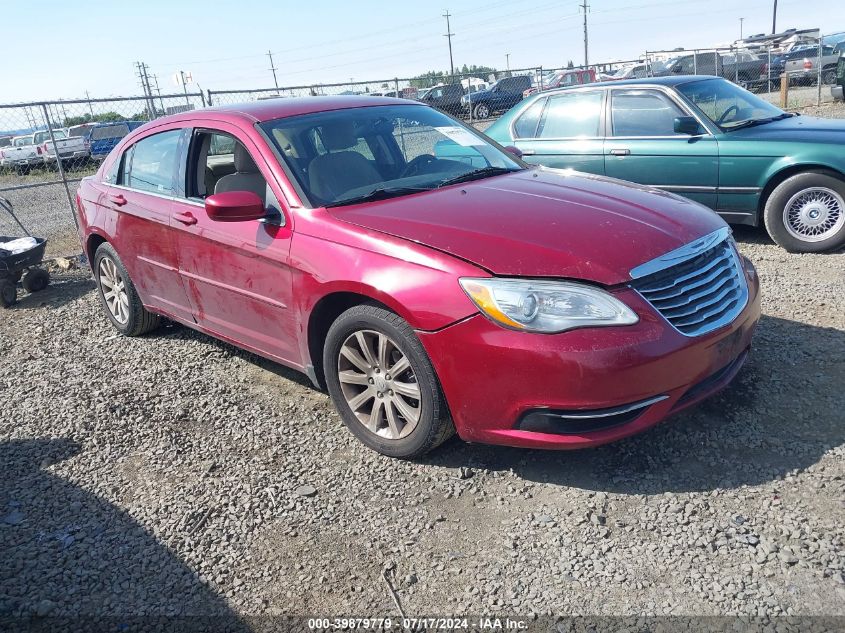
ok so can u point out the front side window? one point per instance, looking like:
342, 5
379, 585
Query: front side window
643, 113
727, 105
572, 115
220, 163
154, 163
342, 156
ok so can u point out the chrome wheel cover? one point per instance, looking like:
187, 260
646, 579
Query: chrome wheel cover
379, 385
113, 287
814, 214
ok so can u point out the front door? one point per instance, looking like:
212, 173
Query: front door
642, 146
563, 131
236, 274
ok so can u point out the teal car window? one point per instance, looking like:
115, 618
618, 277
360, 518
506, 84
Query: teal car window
726, 104
572, 114
643, 113
526, 125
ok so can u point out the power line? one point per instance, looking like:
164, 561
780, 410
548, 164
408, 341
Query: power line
586, 7
273, 68
448, 35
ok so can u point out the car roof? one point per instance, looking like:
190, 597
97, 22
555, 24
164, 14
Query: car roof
674, 80
260, 111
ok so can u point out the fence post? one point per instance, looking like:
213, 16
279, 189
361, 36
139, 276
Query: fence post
396, 85
541, 79
819, 73
695, 62
716, 63
769, 70
59, 164
202, 98
784, 90
736, 65
210, 100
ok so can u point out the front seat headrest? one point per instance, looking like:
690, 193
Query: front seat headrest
243, 161
338, 135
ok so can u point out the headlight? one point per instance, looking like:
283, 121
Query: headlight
545, 306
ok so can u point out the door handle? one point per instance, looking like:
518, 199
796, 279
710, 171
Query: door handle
186, 218
620, 152
117, 199
528, 152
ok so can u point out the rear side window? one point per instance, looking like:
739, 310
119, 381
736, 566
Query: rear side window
526, 124
110, 131
154, 163
576, 114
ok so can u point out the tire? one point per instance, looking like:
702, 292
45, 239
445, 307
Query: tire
125, 310
481, 111
36, 280
8, 293
433, 425
806, 213
829, 76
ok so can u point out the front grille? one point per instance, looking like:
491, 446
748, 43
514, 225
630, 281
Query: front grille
701, 293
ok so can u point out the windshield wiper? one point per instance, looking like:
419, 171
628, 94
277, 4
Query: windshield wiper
752, 122
379, 193
477, 174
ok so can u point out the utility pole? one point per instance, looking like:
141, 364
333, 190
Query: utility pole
145, 86
273, 68
508, 61
586, 7
741, 20
775, 18
449, 35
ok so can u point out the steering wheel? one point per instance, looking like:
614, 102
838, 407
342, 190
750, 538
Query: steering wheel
412, 168
734, 108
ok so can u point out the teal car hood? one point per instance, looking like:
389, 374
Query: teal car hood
798, 129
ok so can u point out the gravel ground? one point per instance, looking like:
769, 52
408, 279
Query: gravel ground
174, 474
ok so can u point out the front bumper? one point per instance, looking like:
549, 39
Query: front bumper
495, 379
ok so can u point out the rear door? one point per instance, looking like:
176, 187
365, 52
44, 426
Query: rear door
139, 203
236, 274
564, 130
643, 147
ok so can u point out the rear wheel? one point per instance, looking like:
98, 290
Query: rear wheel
118, 294
829, 76
383, 384
806, 213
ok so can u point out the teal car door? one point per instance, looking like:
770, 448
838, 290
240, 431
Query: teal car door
642, 145
563, 130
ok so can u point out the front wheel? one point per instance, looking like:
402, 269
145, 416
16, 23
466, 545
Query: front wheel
829, 76
118, 295
481, 111
806, 213
383, 384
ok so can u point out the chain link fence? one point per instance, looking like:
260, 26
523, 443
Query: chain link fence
46, 148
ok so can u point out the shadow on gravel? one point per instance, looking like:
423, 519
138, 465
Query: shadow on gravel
781, 414
751, 235
66, 554
60, 291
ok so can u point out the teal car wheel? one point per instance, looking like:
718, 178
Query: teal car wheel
806, 213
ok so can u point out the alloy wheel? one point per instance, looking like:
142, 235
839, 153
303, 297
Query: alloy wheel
379, 384
814, 214
113, 287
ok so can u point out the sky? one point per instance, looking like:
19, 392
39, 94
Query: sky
91, 45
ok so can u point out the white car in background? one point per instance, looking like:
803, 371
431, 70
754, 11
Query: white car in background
22, 154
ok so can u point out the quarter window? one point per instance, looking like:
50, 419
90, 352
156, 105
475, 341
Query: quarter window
154, 163
574, 114
526, 124
643, 113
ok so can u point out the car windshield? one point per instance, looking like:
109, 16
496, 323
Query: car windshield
727, 105
359, 154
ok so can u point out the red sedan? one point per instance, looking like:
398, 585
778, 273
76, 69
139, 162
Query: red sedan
429, 279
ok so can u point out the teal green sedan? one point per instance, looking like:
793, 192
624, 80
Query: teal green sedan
703, 138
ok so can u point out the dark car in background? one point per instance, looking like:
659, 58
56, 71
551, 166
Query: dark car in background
103, 137
446, 98
838, 89
501, 96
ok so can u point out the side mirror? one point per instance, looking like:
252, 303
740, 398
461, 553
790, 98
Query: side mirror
234, 206
513, 150
687, 125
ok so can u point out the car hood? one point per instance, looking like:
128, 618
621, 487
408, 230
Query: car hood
543, 223
796, 129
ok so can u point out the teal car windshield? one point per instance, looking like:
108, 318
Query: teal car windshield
729, 106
